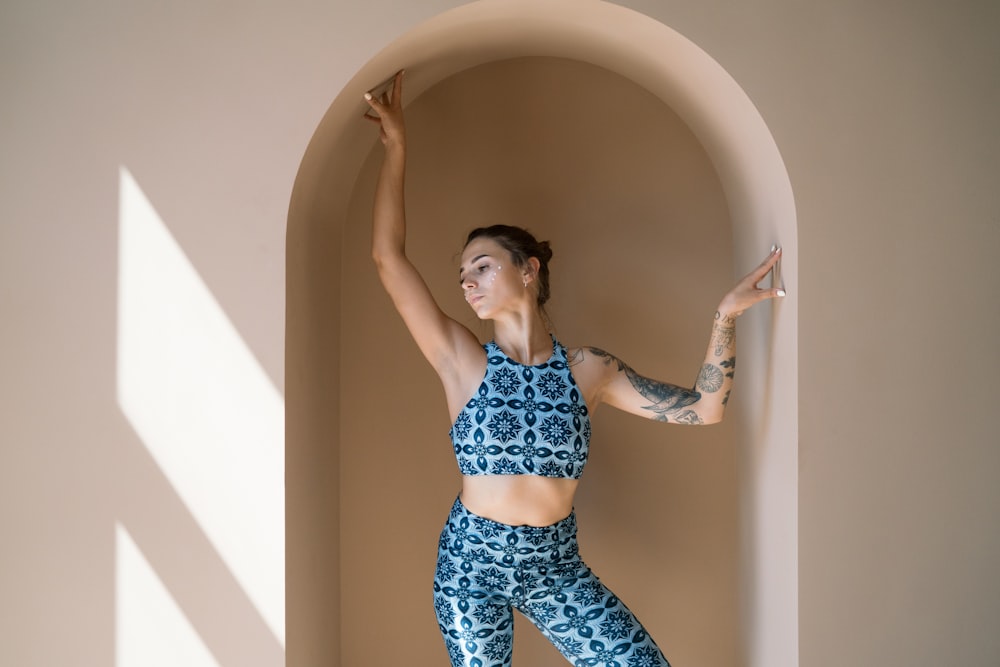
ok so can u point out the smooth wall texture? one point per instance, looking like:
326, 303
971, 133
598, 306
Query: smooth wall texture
885, 117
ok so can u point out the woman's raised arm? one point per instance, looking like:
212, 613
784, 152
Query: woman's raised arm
439, 337
705, 403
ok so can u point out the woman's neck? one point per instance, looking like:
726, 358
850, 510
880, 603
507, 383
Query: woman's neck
527, 341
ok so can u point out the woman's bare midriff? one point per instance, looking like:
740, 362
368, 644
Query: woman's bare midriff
519, 500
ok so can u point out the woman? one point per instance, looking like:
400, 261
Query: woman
520, 407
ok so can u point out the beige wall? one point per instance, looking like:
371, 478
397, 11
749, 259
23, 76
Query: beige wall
885, 117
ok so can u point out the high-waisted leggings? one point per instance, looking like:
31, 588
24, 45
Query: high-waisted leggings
486, 569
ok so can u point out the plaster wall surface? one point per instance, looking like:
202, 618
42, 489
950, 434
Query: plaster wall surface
885, 118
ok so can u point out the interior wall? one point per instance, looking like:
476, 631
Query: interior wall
885, 115
643, 250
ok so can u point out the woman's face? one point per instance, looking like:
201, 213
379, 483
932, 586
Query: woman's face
488, 277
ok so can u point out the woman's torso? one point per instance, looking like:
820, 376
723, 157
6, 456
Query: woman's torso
525, 499
519, 500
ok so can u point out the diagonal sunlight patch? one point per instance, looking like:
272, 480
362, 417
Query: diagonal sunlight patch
201, 403
152, 630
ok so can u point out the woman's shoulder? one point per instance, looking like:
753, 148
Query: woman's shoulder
592, 369
589, 355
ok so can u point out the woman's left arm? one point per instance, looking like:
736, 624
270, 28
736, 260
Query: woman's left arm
705, 403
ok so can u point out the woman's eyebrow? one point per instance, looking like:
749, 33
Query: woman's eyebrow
471, 261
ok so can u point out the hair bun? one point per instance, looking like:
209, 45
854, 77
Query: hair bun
544, 251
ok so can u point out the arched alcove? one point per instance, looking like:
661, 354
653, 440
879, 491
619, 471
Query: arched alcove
760, 210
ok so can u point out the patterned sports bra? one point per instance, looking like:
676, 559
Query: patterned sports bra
523, 420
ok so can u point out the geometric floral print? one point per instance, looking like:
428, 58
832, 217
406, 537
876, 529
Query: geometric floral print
486, 570
523, 420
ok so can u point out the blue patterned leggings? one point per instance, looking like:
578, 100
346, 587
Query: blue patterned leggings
486, 569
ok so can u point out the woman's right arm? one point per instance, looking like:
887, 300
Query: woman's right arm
442, 340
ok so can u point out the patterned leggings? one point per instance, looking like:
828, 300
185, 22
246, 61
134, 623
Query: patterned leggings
485, 569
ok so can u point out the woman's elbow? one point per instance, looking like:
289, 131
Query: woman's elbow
384, 258
712, 417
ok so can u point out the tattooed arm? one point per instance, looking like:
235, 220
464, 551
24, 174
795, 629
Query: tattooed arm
627, 390
618, 385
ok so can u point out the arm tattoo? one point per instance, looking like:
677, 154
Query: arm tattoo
709, 379
668, 400
723, 333
607, 358
687, 417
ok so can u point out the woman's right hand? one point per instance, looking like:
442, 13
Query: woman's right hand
746, 293
390, 113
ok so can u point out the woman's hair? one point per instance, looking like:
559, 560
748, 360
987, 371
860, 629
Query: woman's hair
521, 245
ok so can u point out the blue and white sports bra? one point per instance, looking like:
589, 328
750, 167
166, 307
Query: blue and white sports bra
523, 420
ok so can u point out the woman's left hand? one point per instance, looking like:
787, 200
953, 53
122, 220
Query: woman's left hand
746, 293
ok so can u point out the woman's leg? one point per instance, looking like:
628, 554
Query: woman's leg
480, 636
473, 611
586, 621
486, 568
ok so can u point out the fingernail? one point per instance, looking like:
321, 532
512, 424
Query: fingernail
368, 96
781, 292
773, 248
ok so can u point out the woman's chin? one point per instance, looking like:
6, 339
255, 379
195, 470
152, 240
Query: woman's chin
482, 313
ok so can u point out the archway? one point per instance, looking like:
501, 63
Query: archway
761, 211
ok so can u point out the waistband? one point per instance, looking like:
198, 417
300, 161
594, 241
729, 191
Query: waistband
511, 545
